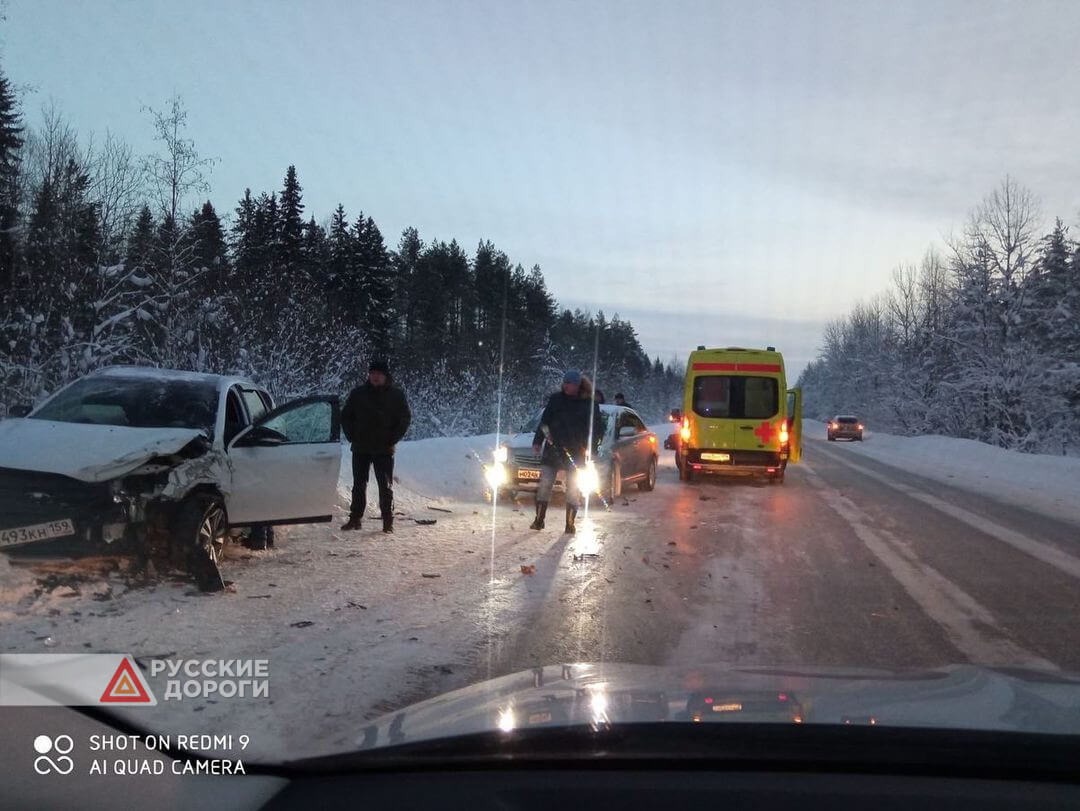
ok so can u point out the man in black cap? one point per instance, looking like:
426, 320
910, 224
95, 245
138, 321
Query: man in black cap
374, 419
569, 433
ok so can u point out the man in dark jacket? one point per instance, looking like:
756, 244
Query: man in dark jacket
374, 419
569, 431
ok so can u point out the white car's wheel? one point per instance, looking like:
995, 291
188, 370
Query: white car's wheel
199, 527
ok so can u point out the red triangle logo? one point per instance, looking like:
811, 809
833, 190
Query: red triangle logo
125, 687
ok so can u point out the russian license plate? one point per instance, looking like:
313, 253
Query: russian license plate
37, 532
525, 474
716, 457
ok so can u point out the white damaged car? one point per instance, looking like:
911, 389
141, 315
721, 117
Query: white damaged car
166, 463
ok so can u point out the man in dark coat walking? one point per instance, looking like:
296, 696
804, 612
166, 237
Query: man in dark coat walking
569, 433
374, 419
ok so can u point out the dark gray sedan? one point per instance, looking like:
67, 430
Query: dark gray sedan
627, 455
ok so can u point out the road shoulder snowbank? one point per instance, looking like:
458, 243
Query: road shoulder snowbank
1045, 484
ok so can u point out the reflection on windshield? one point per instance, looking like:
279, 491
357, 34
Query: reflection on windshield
135, 403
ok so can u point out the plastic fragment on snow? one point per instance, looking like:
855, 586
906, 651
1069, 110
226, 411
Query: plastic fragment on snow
528, 569
425, 522
427, 574
302, 624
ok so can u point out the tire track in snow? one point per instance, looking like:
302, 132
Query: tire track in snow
969, 625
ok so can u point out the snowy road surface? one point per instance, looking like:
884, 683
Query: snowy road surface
851, 562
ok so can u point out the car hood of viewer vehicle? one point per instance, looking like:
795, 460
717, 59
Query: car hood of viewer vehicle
959, 697
90, 453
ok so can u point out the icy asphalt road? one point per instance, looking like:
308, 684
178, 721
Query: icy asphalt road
849, 563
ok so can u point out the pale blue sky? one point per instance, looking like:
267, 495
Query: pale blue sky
722, 172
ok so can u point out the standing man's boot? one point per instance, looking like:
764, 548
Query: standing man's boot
541, 512
351, 525
388, 524
571, 517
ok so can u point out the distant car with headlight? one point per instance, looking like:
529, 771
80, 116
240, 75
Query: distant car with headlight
627, 454
845, 426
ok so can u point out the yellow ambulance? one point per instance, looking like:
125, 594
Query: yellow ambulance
738, 416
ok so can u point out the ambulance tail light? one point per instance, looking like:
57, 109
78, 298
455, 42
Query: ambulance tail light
684, 432
783, 432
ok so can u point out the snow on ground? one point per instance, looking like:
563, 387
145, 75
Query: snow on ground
1046, 484
430, 471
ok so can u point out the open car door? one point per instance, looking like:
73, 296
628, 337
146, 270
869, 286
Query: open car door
794, 413
286, 465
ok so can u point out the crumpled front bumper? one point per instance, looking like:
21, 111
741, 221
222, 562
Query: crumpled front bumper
29, 498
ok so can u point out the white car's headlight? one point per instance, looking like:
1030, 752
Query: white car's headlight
501, 454
588, 478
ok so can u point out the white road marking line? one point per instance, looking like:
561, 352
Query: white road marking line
1051, 555
963, 618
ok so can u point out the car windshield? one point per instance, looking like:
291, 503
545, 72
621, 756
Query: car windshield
827, 252
135, 402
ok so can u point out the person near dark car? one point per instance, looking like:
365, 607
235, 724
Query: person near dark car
563, 442
620, 400
600, 396
374, 419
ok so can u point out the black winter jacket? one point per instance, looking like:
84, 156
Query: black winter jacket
375, 419
567, 419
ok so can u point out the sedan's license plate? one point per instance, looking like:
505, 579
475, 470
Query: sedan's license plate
528, 475
37, 532
716, 457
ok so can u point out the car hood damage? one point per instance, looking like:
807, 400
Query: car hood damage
89, 453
